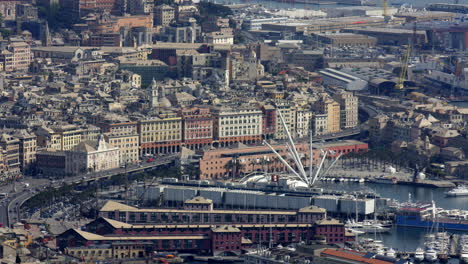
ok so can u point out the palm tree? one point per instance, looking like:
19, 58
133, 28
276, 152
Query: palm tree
235, 167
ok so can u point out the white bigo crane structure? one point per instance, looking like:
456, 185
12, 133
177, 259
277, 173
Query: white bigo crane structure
309, 178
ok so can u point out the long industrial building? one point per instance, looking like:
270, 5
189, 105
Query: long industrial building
391, 36
341, 79
124, 231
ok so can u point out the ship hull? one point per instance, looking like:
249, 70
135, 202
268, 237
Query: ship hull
418, 222
456, 194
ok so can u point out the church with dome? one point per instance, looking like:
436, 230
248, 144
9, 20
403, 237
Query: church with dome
157, 96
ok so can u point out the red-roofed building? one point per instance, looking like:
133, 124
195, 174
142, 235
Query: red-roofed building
350, 257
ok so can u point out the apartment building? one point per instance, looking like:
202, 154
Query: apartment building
162, 134
197, 127
349, 109
242, 124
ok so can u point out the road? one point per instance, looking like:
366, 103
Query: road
10, 206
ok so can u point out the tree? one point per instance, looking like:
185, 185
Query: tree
5, 32
235, 167
208, 9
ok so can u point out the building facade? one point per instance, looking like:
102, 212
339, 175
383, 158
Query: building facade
243, 124
349, 109
163, 15
161, 134
92, 156
197, 127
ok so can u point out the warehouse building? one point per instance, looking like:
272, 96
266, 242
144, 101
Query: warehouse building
391, 36
345, 39
338, 78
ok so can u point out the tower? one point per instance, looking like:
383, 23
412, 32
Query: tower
153, 93
46, 39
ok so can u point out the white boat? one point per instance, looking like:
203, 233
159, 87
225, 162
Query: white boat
390, 253
361, 180
367, 227
430, 255
379, 251
464, 254
458, 191
355, 232
419, 254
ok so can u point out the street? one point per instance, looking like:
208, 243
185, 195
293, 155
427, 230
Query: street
10, 206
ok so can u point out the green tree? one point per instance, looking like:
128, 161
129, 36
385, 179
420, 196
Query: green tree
5, 32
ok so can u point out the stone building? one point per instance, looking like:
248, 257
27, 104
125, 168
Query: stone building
163, 15
92, 156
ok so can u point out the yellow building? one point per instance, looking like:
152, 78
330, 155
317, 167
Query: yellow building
128, 145
27, 149
331, 108
289, 115
162, 134
63, 137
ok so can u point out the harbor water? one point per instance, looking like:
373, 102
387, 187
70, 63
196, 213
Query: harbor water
404, 238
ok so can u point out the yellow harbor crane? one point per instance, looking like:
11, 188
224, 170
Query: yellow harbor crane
404, 69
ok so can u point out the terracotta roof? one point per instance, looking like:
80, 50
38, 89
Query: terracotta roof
112, 206
199, 200
122, 225
354, 256
329, 222
225, 229
91, 236
312, 209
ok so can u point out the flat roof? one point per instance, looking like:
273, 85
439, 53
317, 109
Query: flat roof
389, 30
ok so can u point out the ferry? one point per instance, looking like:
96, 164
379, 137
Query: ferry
459, 191
420, 215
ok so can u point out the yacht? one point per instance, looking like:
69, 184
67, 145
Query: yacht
458, 191
390, 253
430, 255
464, 254
367, 226
419, 254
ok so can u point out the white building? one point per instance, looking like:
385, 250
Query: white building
219, 37
92, 156
341, 79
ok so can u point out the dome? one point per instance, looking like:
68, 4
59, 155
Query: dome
164, 102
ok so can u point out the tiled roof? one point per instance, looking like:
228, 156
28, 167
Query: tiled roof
353, 256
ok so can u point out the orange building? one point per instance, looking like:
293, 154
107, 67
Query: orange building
213, 163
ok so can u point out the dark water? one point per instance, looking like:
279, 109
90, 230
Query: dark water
462, 104
405, 238
401, 193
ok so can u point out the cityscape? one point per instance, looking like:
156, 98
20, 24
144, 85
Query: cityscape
234, 131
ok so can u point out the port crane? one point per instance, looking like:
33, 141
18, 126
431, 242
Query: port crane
404, 69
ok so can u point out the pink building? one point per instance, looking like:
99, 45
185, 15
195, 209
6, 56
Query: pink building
197, 127
213, 164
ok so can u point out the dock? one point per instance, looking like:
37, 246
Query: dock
429, 183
